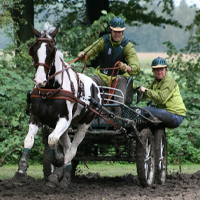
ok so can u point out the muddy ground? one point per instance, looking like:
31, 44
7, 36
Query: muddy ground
93, 187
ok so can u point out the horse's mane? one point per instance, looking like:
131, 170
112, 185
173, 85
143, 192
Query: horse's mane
48, 28
60, 54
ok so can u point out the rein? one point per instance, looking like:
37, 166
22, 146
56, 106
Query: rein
51, 93
76, 59
59, 93
111, 91
67, 95
115, 82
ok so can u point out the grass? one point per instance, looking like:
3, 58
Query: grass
103, 168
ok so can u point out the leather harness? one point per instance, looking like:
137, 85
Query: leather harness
59, 93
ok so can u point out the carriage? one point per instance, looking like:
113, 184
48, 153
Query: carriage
84, 126
130, 137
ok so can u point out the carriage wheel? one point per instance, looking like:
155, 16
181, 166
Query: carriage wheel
47, 162
160, 156
145, 158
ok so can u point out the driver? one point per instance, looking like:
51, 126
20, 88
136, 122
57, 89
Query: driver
111, 48
164, 92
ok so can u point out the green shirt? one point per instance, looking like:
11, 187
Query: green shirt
165, 93
129, 54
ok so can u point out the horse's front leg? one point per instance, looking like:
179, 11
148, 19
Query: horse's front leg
28, 144
57, 175
59, 133
61, 126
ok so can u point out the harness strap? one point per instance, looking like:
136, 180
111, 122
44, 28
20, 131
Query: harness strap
84, 63
61, 71
45, 39
115, 82
67, 95
106, 119
43, 64
74, 60
53, 94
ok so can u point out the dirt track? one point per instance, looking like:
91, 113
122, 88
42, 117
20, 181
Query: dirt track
94, 187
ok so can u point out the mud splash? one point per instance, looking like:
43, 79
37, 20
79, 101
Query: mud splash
93, 186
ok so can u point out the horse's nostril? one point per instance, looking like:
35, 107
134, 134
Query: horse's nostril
40, 83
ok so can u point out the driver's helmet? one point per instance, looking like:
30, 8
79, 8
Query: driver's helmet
117, 24
159, 63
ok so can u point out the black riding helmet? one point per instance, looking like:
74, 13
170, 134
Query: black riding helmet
117, 24
159, 63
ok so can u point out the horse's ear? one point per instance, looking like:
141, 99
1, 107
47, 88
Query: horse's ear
53, 34
36, 32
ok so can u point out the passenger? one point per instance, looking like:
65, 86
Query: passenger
111, 48
164, 92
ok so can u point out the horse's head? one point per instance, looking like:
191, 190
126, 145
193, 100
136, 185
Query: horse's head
43, 52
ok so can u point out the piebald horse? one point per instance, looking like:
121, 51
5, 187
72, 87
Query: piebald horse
60, 98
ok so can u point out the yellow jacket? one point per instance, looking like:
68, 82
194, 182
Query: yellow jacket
165, 93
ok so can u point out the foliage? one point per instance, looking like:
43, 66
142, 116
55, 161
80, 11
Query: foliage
183, 143
150, 38
15, 83
76, 32
16, 79
137, 12
147, 31
77, 38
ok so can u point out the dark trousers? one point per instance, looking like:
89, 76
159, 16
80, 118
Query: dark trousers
168, 119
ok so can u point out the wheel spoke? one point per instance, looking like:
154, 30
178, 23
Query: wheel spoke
161, 154
146, 159
147, 162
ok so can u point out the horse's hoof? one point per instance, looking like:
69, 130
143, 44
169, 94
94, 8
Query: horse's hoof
50, 184
64, 184
53, 180
66, 181
20, 177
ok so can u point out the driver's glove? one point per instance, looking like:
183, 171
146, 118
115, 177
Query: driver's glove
81, 55
123, 67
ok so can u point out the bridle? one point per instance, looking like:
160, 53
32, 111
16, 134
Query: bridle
51, 42
52, 92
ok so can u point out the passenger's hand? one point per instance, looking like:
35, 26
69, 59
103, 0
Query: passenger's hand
142, 89
123, 67
81, 55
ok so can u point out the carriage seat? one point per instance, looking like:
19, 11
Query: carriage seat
129, 93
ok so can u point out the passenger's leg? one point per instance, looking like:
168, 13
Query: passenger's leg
169, 120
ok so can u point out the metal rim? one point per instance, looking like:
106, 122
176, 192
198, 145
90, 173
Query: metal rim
149, 162
162, 161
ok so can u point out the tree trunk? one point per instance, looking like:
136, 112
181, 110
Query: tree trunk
94, 8
93, 12
20, 15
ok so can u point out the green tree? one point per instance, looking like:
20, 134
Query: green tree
84, 12
75, 34
185, 65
